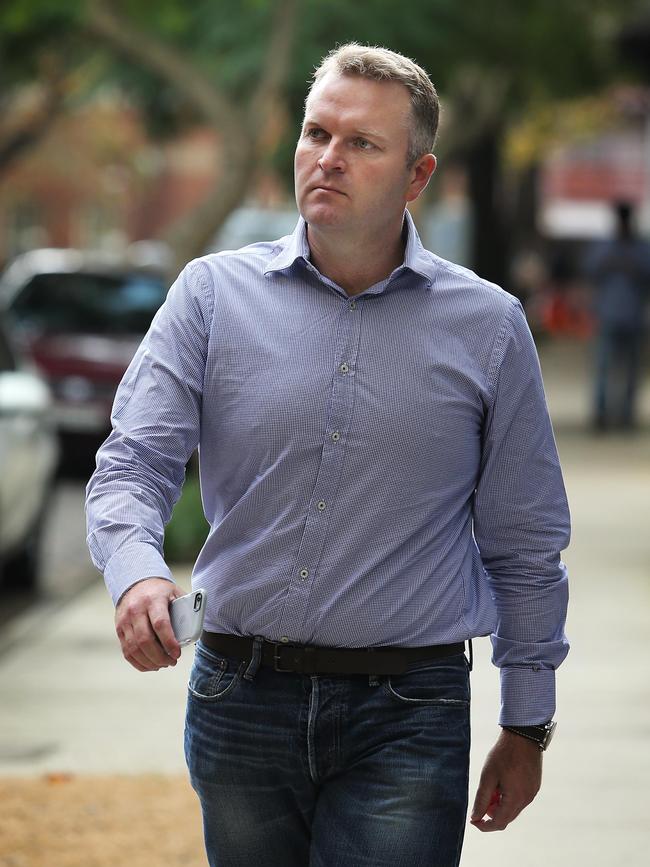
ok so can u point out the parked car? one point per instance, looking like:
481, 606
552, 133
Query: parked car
28, 460
80, 316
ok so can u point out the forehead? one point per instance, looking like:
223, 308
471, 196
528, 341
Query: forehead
353, 100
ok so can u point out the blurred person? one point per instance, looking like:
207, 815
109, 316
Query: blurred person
619, 271
381, 481
563, 307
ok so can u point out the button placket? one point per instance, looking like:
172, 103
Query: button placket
296, 610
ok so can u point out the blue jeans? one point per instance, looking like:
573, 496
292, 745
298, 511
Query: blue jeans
618, 364
321, 771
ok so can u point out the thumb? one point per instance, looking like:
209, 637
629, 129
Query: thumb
487, 795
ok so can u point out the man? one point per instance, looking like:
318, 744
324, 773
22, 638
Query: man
380, 477
619, 270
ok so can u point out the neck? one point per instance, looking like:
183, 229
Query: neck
357, 263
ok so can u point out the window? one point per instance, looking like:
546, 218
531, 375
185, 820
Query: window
89, 303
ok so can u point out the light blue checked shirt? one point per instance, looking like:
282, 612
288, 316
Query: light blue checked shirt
376, 470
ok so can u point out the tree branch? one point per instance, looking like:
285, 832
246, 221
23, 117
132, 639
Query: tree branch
32, 129
276, 64
242, 131
168, 63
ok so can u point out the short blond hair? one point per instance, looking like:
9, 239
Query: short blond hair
382, 64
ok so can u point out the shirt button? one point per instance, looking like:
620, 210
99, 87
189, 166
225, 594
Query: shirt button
321, 505
353, 305
304, 573
344, 367
284, 639
336, 436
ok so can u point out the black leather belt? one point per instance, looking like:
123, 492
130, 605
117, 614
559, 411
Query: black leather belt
307, 659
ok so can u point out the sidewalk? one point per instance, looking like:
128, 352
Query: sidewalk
71, 704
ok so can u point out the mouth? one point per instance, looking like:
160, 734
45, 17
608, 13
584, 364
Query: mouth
321, 188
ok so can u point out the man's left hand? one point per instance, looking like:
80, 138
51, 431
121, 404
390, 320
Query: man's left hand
511, 777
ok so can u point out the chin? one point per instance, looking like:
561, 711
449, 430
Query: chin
324, 217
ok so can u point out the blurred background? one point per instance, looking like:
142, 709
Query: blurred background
136, 136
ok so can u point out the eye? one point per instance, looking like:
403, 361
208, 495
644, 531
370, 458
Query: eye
364, 144
314, 132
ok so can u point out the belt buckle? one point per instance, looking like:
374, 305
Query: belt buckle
276, 658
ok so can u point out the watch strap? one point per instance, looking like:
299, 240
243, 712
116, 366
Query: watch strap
539, 734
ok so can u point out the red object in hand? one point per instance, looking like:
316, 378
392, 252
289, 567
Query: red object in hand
495, 800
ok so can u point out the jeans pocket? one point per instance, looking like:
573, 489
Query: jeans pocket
213, 676
441, 682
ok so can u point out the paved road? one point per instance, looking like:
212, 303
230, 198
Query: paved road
70, 703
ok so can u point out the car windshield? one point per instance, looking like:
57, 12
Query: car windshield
89, 303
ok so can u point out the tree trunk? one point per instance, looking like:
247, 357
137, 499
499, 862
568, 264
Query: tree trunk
241, 129
190, 236
489, 243
32, 129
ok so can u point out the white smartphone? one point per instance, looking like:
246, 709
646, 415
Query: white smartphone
186, 614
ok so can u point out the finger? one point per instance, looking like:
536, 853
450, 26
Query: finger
495, 801
149, 646
162, 627
498, 817
131, 651
487, 795
136, 664
487, 815
134, 626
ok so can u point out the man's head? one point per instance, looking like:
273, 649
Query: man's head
365, 146
382, 64
624, 212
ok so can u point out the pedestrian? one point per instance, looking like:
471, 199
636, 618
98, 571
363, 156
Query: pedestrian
619, 272
381, 482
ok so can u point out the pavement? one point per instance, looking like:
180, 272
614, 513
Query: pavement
70, 704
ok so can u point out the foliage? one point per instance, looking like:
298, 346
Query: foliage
491, 60
549, 125
187, 530
543, 47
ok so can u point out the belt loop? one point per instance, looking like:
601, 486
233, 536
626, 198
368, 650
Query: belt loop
256, 656
470, 661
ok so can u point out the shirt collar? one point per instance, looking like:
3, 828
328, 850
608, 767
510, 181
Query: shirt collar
295, 247
416, 257
290, 249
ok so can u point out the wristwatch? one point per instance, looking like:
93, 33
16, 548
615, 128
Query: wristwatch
541, 734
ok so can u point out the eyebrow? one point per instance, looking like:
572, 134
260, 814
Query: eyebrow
362, 133
370, 133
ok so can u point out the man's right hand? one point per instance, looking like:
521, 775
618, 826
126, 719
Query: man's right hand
143, 626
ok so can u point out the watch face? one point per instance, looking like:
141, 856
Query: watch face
550, 731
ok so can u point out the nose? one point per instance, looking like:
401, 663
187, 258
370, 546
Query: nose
331, 159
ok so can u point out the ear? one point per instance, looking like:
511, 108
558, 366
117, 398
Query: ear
420, 176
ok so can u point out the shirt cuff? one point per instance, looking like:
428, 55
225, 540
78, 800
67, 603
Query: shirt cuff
132, 564
527, 696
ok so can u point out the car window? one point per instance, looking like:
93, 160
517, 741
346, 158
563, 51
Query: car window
7, 361
97, 303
